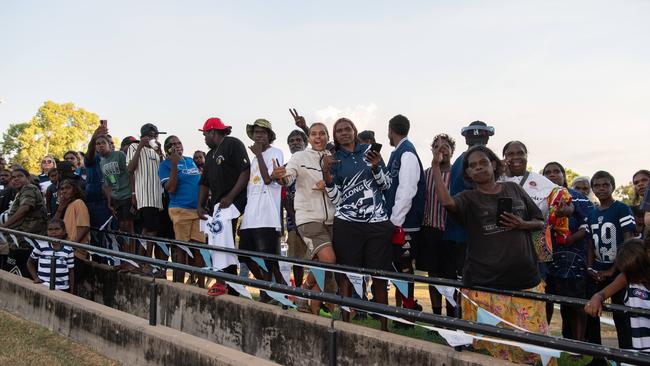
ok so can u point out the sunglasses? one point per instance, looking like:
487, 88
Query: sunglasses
48, 161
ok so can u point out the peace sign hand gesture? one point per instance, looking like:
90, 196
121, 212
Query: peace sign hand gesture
300, 120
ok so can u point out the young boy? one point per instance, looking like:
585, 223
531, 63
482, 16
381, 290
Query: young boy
43, 253
609, 225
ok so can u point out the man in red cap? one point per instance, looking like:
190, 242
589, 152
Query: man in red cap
225, 173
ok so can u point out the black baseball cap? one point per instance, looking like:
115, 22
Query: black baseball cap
148, 128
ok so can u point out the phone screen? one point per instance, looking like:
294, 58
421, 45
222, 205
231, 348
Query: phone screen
104, 123
504, 204
375, 147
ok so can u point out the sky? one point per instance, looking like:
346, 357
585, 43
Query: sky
571, 79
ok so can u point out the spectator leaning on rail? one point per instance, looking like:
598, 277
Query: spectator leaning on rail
404, 200
355, 180
27, 213
500, 252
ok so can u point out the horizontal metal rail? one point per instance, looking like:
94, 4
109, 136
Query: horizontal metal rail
436, 320
563, 300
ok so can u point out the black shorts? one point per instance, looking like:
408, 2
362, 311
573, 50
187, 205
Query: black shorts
572, 287
361, 244
435, 255
150, 218
263, 239
123, 209
403, 255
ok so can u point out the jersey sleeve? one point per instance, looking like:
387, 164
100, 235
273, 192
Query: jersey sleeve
130, 152
164, 172
240, 156
626, 220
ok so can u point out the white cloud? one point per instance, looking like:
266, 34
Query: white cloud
362, 115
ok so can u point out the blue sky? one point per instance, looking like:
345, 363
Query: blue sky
570, 79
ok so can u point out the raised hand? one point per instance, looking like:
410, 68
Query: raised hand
174, 156
374, 158
327, 163
437, 157
300, 120
278, 171
256, 149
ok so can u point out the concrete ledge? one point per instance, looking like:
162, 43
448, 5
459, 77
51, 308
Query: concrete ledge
120, 336
265, 331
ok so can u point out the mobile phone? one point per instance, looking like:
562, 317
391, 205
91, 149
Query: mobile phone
376, 147
504, 204
103, 123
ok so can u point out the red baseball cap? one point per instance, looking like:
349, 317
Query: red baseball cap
214, 123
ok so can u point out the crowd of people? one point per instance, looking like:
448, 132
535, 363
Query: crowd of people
482, 218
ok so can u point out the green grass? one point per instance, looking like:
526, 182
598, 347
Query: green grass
24, 343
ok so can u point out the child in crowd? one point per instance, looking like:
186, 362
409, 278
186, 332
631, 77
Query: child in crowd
633, 261
40, 261
609, 225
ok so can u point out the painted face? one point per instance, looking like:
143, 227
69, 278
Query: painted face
516, 159
640, 182
554, 174
318, 137
344, 133
602, 188
480, 169
296, 143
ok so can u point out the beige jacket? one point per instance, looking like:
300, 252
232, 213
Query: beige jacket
304, 168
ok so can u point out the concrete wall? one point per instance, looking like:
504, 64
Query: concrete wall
120, 336
283, 336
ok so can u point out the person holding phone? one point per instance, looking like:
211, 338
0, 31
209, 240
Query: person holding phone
500, 254
180, 177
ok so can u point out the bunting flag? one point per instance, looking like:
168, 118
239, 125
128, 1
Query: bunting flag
207, 258
402, 286
115, 260
285, 270
448, 292
101, 228
186, 250
485, 317
260, 262
163, 247
143, 243
114, 243
319, 275
241, 289
280, 298
15, 240
30, 242
357, 283
490, 317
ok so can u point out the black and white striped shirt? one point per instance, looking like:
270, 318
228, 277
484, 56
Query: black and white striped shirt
638, 296
43, 253
148, 191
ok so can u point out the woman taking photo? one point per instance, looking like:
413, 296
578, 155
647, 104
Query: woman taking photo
180, 177
314, 210
500, 252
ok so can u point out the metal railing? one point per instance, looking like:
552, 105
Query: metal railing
435, 320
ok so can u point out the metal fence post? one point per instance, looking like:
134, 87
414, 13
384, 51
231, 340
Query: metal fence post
53, 272
153, 303
332, 344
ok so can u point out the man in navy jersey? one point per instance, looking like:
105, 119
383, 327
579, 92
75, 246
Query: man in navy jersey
609, 226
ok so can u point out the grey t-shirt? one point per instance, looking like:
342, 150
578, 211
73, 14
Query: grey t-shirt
116, 174
498, 257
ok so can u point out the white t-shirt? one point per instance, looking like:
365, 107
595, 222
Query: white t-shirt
538, 188
218, 227
263, 201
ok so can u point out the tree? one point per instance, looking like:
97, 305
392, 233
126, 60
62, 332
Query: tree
55, 129
625, 194
570, 176
10, 144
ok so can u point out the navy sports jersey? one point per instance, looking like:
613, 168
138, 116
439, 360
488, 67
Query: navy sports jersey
356, 191
606, 228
